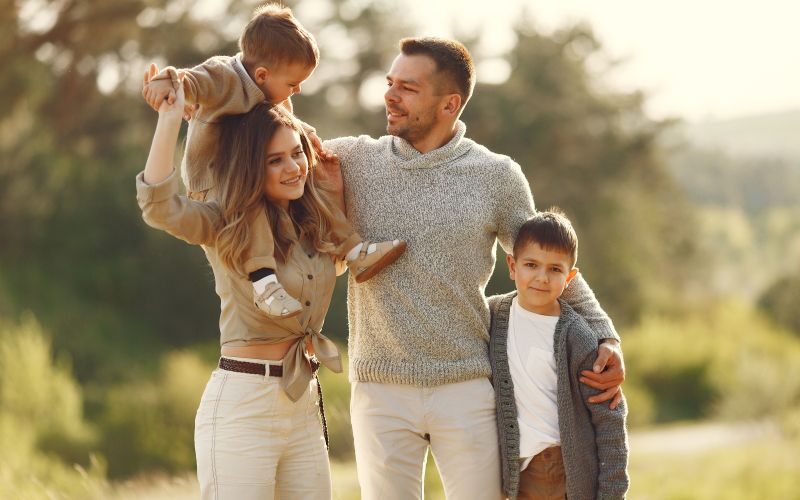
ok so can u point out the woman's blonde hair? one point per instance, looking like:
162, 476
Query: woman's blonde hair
240, 172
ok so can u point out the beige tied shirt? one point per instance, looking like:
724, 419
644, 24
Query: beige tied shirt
307, 275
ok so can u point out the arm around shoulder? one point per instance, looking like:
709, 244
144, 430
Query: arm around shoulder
513, 202
582, 299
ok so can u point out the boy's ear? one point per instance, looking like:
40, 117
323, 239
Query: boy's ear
571, 275
261, 74
511, 266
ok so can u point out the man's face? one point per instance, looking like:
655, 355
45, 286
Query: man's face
411, 100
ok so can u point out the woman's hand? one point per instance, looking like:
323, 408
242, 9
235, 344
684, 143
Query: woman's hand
162, 150
330, 172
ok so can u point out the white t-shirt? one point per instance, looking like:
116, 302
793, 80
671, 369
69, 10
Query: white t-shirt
532, 363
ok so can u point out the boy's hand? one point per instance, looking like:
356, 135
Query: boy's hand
156, 91
607, 374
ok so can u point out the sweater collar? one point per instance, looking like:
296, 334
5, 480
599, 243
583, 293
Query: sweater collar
238, 66
409, 158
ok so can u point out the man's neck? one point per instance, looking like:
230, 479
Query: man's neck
436, 139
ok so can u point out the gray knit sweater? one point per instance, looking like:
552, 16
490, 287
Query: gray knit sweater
594, 443
424, 320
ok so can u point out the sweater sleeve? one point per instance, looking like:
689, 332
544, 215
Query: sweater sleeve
581, 298
192, 221
217, 86
611, 441
514, 203
341, 146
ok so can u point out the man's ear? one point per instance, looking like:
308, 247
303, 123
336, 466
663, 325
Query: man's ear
571, 275
452, 104
261, 75
512, 266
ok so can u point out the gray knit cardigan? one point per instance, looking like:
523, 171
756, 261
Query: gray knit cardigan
594, 441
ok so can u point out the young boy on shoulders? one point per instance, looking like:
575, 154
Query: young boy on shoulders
538, 347
277, 56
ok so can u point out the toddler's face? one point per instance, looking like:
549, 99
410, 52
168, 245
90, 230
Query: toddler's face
284, 81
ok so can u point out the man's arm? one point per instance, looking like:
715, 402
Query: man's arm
515, 206
608, 371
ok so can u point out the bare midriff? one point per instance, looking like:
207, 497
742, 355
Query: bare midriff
272, 352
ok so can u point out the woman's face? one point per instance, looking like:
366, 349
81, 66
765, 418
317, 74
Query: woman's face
287, 167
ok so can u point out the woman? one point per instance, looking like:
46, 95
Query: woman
257, 431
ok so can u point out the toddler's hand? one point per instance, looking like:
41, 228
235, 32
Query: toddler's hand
157, 91
176, 107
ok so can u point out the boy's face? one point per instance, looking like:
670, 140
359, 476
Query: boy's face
541, 277
282, 81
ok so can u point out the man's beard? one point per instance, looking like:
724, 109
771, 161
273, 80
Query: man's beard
416, 127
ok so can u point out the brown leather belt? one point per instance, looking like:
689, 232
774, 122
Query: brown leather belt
234, 365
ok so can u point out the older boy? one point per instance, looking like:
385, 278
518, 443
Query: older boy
277, 56
565, 447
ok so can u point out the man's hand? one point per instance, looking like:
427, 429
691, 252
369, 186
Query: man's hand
607, 374
156, 91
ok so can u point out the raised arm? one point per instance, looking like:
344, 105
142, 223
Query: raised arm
157, 189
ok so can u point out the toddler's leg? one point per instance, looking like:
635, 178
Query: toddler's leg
364, 259
269, 295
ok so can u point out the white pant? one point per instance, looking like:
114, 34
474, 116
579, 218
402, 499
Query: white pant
394, 424
253, 442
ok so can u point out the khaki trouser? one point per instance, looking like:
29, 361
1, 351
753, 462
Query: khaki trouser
544, 477
253, 443
393, 425
260, 253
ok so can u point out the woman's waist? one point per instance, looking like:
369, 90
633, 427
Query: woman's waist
268, 351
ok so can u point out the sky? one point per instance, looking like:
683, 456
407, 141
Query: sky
695, 59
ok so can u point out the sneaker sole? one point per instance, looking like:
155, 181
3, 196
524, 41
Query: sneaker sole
387, 259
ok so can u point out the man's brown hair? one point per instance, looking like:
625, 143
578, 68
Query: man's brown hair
274, 37
552, 231
452, 59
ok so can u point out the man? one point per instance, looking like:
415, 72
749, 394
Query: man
419, 363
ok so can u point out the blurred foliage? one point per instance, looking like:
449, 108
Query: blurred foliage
780, 302
42, 431
148, 424
725, 361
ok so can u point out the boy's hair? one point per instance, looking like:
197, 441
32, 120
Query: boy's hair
552, 230
452, 59
274, 37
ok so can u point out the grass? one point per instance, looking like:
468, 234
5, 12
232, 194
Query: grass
764, 469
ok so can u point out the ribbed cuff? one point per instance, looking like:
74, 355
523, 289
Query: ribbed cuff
154, 193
